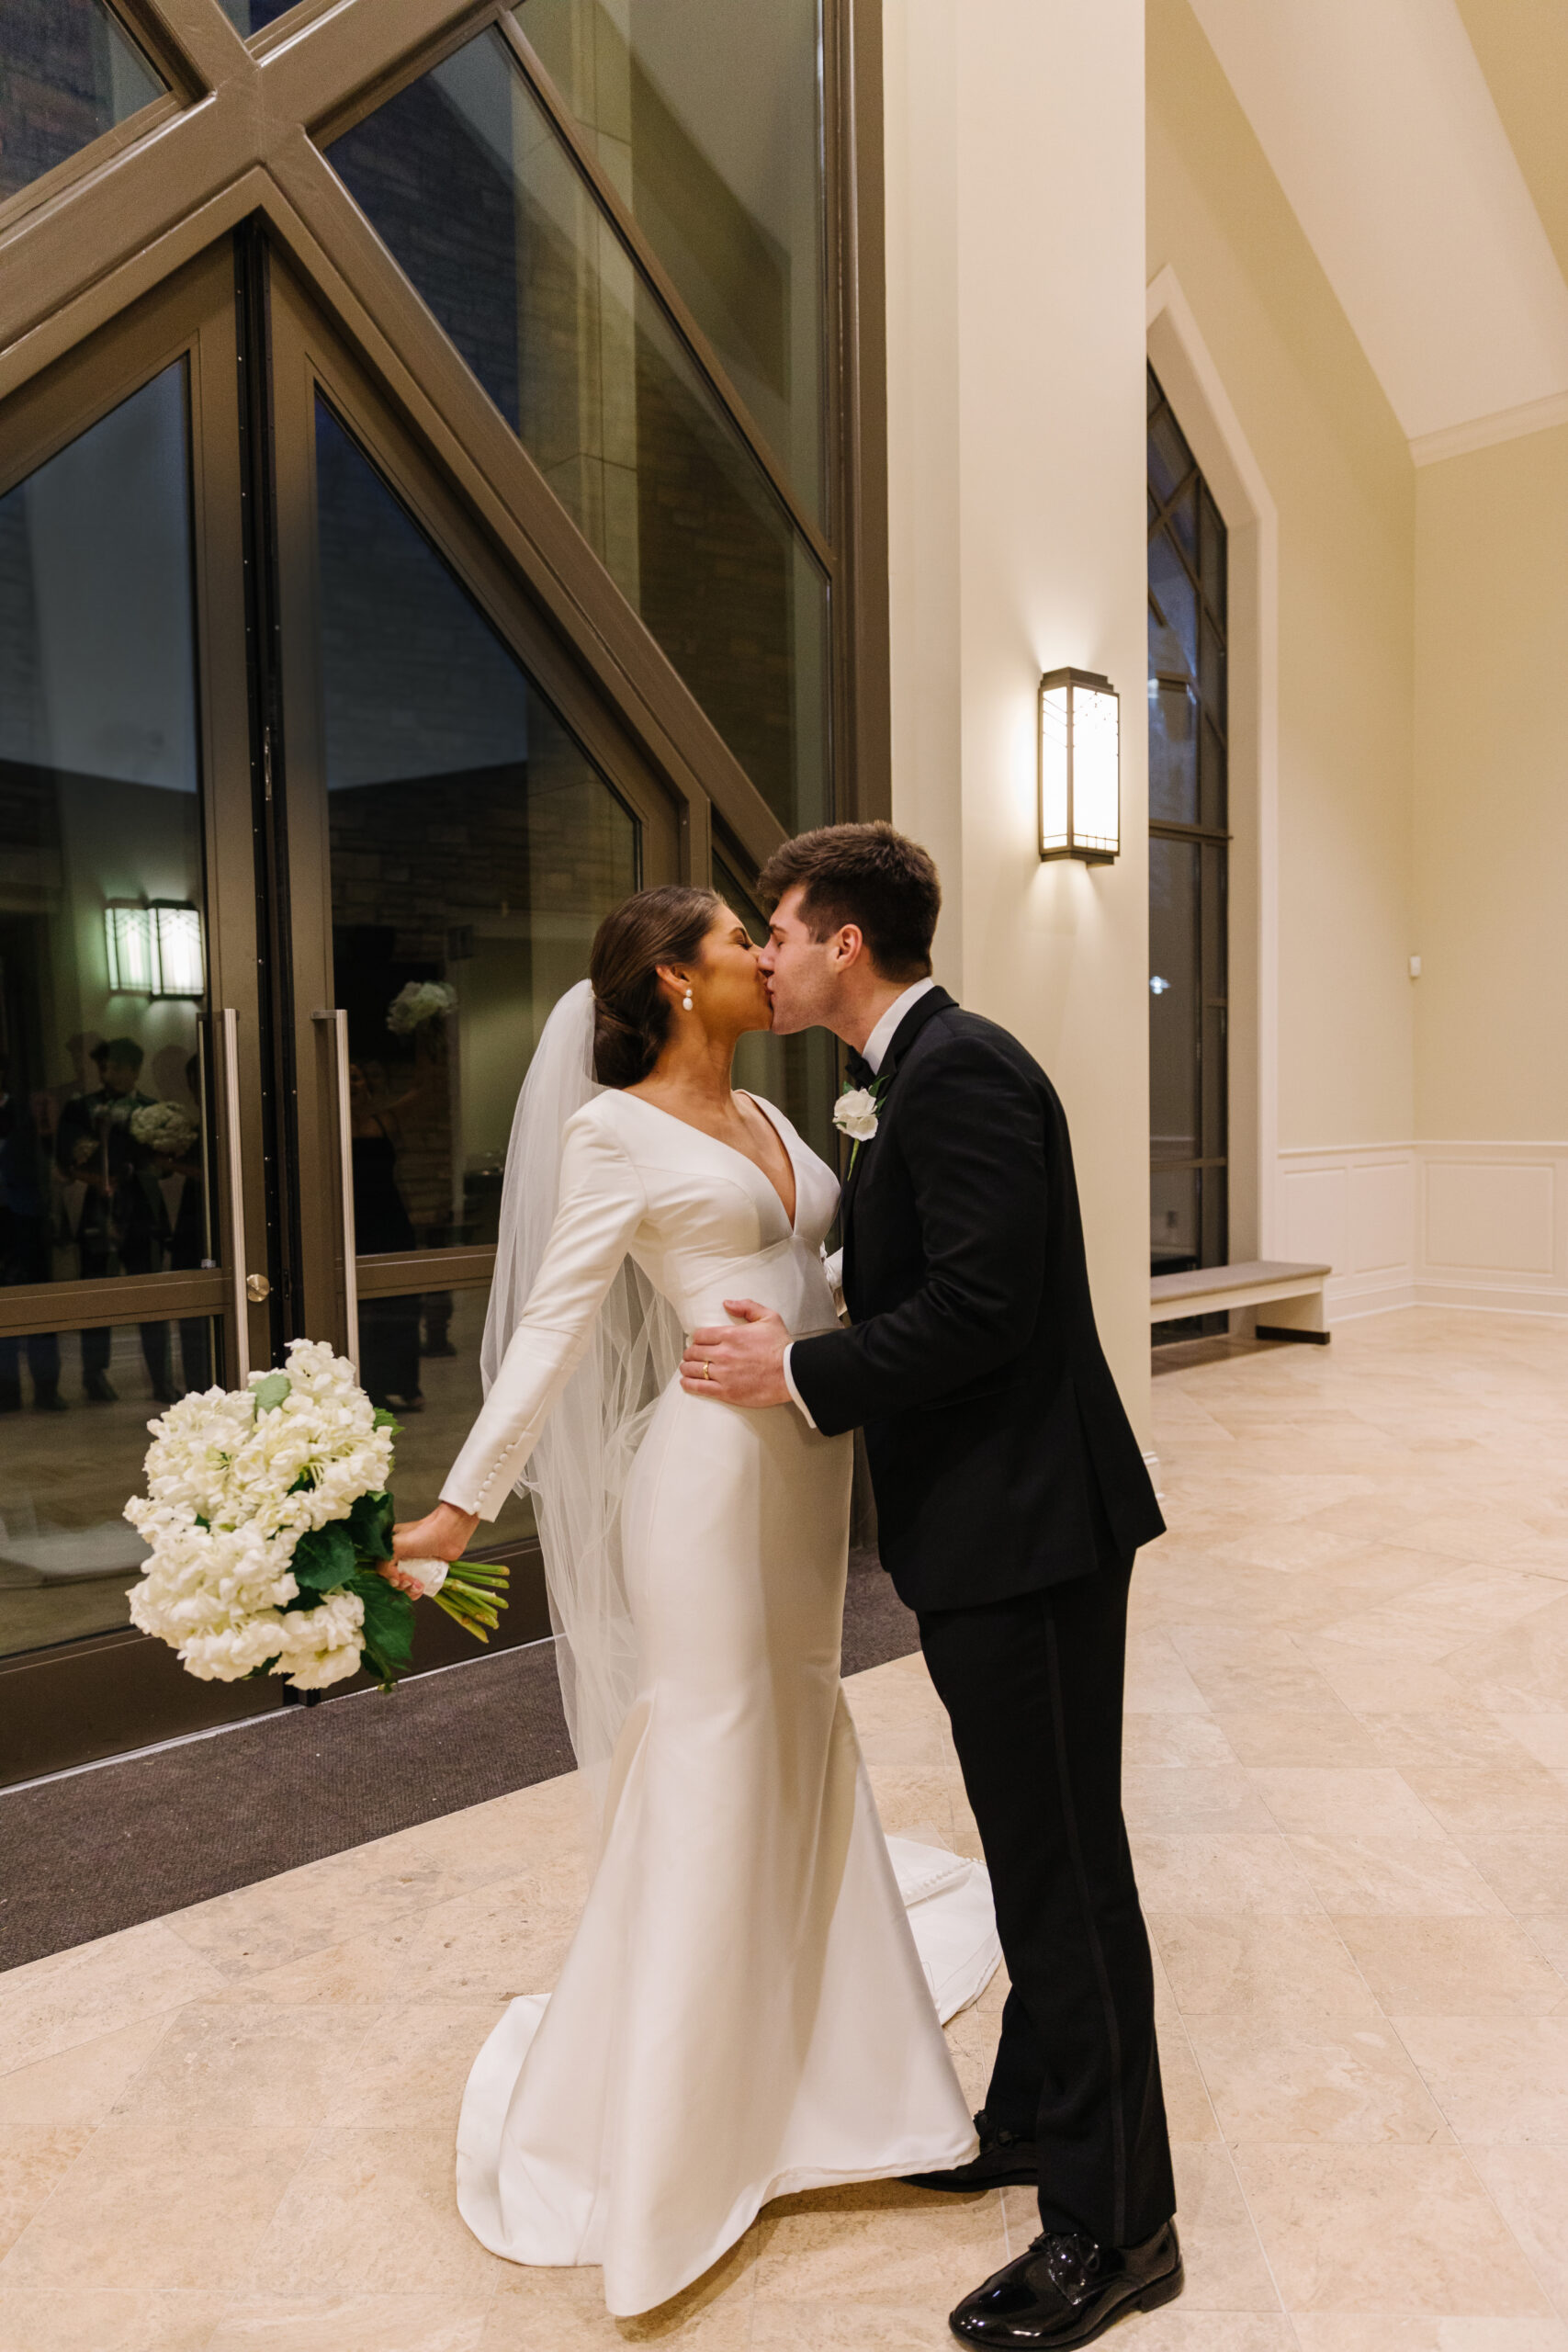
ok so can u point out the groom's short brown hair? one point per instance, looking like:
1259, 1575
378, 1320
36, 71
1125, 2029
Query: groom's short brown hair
868, 875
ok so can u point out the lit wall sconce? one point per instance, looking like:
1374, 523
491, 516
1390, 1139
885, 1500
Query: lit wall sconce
128, 936
176, 927
1080, 767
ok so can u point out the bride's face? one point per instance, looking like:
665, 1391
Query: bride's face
731, 995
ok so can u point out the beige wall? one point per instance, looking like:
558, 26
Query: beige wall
1014, 136
1491, 794
1340, 473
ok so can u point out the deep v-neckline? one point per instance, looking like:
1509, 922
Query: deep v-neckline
692, 1129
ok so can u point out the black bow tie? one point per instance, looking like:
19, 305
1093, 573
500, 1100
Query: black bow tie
860, 1070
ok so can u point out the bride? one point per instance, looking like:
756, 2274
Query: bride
744, 2010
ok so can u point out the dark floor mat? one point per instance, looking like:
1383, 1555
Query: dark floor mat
106, 1848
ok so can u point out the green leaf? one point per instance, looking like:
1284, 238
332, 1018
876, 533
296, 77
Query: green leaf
270, 1393
388, 1622
324, 1557
381, 1419
265, 1666
370, 1524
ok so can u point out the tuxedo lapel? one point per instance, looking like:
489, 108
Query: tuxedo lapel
935, 1000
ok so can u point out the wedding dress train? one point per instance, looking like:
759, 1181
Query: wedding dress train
744, 2010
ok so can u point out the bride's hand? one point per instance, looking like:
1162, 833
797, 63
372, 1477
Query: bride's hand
443, 1534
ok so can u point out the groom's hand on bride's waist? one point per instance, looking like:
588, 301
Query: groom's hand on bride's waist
739, 1363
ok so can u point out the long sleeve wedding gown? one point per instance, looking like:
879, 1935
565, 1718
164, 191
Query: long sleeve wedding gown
744, 2010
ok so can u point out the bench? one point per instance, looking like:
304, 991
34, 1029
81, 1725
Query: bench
1293, 1295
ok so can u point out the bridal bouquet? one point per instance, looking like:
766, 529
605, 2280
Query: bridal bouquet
418, 1001
271, 1534
164, 1126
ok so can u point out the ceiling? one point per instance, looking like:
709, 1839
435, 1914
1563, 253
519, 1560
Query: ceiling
1421, 146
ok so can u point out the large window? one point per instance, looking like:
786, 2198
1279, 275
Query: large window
1188, 846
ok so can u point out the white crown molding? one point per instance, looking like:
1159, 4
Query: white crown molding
1484, 431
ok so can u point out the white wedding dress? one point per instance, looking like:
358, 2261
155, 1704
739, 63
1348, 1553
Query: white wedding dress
748, 2007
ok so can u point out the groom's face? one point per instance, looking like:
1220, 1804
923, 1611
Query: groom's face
801, 972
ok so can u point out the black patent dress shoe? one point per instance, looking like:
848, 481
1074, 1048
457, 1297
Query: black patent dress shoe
1004, 2158
1066, 2290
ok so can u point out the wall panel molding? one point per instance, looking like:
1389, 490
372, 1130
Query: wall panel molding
1432, 1223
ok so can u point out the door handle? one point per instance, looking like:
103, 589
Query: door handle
339, 1020
240, 1280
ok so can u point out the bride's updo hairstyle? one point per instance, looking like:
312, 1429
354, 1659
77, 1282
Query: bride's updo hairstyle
631, 1012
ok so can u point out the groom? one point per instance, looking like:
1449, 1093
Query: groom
1010, 1498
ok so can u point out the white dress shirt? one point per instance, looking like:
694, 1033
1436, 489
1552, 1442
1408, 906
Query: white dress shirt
872, 1053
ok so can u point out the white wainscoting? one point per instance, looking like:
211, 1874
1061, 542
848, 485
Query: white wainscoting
1430, 1224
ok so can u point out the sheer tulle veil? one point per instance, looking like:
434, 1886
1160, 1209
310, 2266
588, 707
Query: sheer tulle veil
577, 1472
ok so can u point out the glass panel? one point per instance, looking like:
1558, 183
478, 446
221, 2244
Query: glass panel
1211, 672
1170, 460
707, 120
1173, 1223
1213, 795
1173, 745
798, 1073
1177, 600
1212, 1195
474, 852
1173, 1000
464, 177
68, 72
248, 17
431, 1339
1212, 556
101, 939
67, 1464
1183, 521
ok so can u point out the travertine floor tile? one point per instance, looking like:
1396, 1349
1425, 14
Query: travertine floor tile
351, 2324
1241, 1964
371, 2211
222, 2063
1387, 2229
1495, 2078
80, 2085
107, 2319
1346, 2080
33, 2157
1475, 1966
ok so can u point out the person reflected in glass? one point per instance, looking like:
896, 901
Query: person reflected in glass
187, 1234
389, 1327
115, 1228
25, 1249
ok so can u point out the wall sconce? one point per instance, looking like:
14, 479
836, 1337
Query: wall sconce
1080, 767
128, 936
176, 928
155, 951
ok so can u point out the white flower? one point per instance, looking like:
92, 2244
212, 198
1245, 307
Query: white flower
418, 1001
163, 1126
234, 1480
854, 1114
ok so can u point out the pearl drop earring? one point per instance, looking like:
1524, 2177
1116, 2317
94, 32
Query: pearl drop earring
686, 999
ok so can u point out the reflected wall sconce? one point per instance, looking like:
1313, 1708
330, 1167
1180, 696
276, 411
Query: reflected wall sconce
155, 951
176, 929
1080, 767
128, 936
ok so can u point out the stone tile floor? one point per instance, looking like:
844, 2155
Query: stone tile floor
1347, 1788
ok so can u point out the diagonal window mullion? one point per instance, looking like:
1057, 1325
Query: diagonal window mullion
643, 258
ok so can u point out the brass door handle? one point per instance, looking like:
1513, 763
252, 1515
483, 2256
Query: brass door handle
258, 1287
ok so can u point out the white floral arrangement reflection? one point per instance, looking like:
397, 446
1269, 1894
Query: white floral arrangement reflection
270, 1527
418, 1001
164, 1126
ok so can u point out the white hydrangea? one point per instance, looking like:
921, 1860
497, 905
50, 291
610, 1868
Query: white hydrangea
234, 1480
418, 1001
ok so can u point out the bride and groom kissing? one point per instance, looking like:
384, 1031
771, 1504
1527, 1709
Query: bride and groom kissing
743, 2012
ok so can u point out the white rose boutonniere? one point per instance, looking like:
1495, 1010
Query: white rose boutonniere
854, 1114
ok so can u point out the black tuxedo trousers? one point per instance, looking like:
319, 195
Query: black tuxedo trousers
1032, 1687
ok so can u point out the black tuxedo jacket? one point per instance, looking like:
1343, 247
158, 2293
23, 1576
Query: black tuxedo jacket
1000, 1457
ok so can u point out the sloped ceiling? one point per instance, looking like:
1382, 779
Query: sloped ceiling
1522, 46
1386, 137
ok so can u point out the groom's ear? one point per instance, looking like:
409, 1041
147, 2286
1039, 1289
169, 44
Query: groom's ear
848, 945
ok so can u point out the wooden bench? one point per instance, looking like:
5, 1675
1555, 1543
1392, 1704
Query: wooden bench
1293, 1295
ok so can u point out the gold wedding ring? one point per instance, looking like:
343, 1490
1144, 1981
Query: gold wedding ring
708, 1367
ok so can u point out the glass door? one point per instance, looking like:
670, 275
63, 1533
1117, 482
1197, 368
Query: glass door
306, 821
461, 815
125, 1005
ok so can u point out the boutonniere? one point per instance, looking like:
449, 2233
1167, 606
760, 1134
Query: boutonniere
854, 1114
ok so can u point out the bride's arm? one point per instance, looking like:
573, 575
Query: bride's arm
601, 1204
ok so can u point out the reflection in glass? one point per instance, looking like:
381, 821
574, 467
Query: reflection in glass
707, 122
798, 1073
67, 1557
430, 1439
464, 177
1174, 1009
69, 71
248, 17
474, 852
102, 1154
